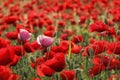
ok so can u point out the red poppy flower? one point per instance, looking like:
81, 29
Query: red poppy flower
48, 66
96, 69
98, 27
41, 23
33, 16
57, 63
64, 36
49, 22
61, 24
73, 22
38, 61
4, 43
43, 70
109, 63
113, 64
58, 49
11, 19
75, 48
82, 19
77, 39
5, 73
67, 75
111, 31
50, 28
49, 33
3, 27
8, 56
50, 55
97, 47
12, 35
14, 77
64, 46
19, 50
114, 47
31, 47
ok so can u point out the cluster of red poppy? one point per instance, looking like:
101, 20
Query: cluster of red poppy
59, 29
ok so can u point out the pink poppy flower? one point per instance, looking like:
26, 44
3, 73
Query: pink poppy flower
24, 35
45, 41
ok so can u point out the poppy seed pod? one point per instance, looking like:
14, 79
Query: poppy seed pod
45, 41
24, 35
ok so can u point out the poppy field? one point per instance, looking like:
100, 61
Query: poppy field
59, 39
